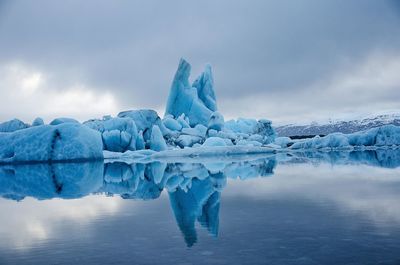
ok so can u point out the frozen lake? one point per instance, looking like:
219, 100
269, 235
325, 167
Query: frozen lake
336, 208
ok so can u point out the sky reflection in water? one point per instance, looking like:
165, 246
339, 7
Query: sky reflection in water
303, 208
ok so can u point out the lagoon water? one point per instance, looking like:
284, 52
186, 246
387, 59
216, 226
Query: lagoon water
336, 208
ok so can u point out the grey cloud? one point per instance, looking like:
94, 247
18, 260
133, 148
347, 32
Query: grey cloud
131, 48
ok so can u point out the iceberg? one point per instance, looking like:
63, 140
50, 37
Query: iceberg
192, 126
157, 142
67, 141
13, 125
205, 88
37, 122
191, 120
58, 121
216, 121
172, 124
144, 119
385, 136
196, 102
118, 134
215, 141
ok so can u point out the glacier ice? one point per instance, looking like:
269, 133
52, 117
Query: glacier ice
216, 121
68, 141
157, 142
388, 135
250, 127
185, 99
13, 125
118, 134
144, 119
191, 121
185, 140
283, 142
214, 141
205, 88
37, 122
184, 121
199, 130
172, 124
58, 121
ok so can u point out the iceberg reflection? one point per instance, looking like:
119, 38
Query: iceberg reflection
194, 189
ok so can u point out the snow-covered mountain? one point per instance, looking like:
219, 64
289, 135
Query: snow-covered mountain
344, 125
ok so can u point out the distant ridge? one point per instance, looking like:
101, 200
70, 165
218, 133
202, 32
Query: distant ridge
343, 126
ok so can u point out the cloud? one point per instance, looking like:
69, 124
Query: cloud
362, 87
28, 93
262, 51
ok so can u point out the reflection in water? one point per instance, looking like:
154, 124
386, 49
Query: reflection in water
387, 158
194, 188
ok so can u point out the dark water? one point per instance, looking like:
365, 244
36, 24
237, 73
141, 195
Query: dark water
314, 208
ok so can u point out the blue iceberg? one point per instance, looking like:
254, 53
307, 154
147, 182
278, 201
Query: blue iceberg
385, 136
68, 141
12, 126
191, 126
118, 134
197, 102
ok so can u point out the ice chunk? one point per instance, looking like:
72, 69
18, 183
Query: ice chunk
216, 121
214, 141
184, 121
13, 125
58, 121
382, 136
185, 140
205, 88
248, 143
387, 135
256, 137
251, 126
140, 144
157, 142
334, 140
184, 98
241, 125
118, 134
199, 130
222, 134
283, 141
68, 141
144, 120
37, 122
172, 124
117, 141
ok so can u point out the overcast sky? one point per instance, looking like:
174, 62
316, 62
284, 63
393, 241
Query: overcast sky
288, 61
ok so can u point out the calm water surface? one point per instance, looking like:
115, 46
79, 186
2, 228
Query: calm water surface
337, 208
